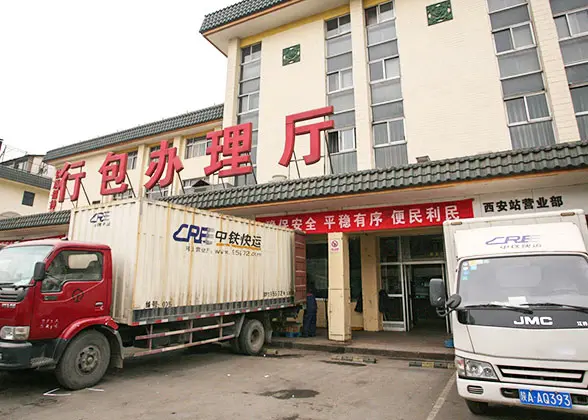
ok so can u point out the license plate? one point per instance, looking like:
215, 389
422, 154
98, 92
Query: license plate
545, 398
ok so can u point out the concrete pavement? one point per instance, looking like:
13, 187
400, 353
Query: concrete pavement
294, 385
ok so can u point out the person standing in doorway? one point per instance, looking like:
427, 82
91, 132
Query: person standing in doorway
309, 319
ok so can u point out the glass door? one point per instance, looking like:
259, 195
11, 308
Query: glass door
418, 308
392, 298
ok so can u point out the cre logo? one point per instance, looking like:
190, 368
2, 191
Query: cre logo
534, 320
514, 239
199, 234
100, 217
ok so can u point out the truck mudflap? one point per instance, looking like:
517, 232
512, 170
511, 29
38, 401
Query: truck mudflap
505, 393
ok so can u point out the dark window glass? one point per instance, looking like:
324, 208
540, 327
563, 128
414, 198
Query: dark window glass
28, 198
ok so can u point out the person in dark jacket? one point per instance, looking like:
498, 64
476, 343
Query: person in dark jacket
309, 319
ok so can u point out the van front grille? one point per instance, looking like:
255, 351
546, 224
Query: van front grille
540, 375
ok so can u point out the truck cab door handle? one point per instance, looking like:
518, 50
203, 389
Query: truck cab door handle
99, 305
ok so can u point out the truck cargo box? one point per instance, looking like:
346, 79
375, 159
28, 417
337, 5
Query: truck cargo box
172, 261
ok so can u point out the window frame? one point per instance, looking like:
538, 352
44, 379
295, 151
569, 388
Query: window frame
132, 160
100, 259
379, 13
28, 194
566, 15
340, 141
192, 146
339, 74
510, 29
339, 33
388, 131
529, 120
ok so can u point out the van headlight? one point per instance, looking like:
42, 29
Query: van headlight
474, 369
14, 333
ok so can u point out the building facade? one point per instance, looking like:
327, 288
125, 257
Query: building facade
366, 124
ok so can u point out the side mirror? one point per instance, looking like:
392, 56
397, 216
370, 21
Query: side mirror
437, 294
454, 301
39, 273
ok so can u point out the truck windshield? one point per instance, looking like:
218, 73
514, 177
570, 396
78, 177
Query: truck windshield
524, 280
17, 264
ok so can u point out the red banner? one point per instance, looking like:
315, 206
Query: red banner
382, 218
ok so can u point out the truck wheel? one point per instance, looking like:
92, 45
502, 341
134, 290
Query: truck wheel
252, 337
84, 361
477, 407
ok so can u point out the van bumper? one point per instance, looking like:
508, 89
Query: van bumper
503, 393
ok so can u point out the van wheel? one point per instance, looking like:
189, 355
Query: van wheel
477, 407
252, 337
84, 361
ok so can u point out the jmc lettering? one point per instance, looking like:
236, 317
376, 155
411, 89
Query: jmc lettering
534, 320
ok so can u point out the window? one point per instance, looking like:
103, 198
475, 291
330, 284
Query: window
157, 192
572, 24
132, 161
196, 147
580, 99
521, 76
385, 86
342, 156
123, 196
28, 198
72, 266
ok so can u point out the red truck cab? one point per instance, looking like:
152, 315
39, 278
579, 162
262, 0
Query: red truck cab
54, 294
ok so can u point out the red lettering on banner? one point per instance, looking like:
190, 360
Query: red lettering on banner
382, 218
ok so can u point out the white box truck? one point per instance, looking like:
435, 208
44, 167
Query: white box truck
518, 302
138, 277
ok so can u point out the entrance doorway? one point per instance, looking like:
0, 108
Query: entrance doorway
407, 265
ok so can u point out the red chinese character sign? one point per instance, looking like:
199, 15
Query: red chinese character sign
114, 169
62, 177
230, 147
313, 129
163, 160
382, 218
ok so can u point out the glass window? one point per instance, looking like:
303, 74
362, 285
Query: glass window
580, 99
391, 156
503, 41
575, 50
518, 63
396, 131
510, 17
344, 119
380, 134
424, 247
386, 11
72, 266
388, 49
537, 105
376, 71
339, 62
339, 45
578, 22
371, 16
346, 78
254, 101
333, 82
516, 110
392, 68
522, 36
562, 27
548, 278
355, 268
388, 111
250, 70
577, 74
332, 27
382, 32
131, 161
342, 101
344, 24
389, 250
19, 262
386, 91
250, 86
495, 5
559, 6
583, 126
348, 139
391, 279
532, 135
28, 198
523, 84
252, 117
343, 163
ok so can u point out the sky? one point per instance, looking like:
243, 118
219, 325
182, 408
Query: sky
74, 70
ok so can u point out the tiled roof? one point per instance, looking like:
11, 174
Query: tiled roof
170, 124
493, 165
35, 220
567, 156
23, 177
235, 12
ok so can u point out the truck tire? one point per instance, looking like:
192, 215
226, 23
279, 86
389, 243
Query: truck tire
477, 407
84, 361
252, 337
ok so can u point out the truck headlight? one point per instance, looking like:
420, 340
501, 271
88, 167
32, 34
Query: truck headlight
14, 333
474, 369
